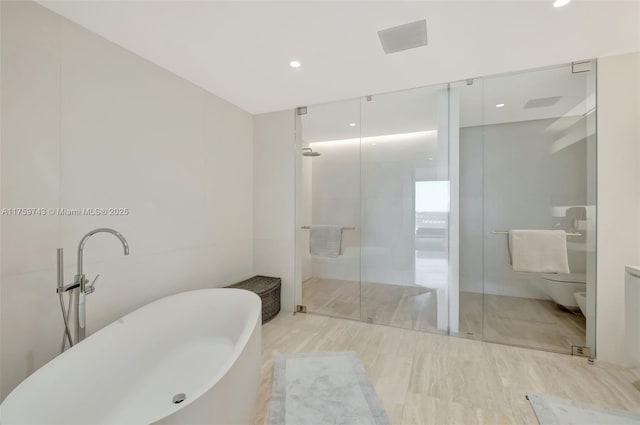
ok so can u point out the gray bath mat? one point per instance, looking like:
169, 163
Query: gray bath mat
558, 411
322, 389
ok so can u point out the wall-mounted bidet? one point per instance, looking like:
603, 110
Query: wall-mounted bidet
561, 287
79, 289
581, 299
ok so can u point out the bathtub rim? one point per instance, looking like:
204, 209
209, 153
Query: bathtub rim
253, 321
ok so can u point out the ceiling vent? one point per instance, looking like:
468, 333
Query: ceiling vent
542, 102
404, 37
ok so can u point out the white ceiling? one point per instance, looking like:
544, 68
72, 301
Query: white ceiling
424, 109
241, 50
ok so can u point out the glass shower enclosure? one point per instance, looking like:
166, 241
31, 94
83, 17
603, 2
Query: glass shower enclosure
418, 188
377, 168
527, 161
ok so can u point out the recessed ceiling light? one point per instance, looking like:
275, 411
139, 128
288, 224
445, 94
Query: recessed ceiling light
295, 64
352, 124
560, 3
430, 159
499, 105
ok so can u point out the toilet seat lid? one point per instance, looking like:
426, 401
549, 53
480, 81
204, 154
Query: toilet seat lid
570, 278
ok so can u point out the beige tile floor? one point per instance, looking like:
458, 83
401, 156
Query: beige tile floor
409, 307
424, 378
508, 320
525, 322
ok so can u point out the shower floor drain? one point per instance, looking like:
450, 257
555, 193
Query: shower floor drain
179, 398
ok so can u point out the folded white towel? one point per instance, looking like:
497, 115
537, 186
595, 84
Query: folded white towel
325, 240
539, 251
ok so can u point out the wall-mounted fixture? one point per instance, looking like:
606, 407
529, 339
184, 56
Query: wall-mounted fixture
309, 152
78, 289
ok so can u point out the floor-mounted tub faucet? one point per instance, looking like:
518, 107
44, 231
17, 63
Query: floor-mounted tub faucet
81, 280
79, 288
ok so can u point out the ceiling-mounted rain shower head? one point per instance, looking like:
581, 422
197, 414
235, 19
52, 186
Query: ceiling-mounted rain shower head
309, 152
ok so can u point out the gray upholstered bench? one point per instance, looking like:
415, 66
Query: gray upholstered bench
268, 289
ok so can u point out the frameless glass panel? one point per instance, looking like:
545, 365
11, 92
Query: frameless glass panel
405, 209
537, 158
328, 208
467, 104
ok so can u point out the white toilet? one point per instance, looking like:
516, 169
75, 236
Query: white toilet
561, 287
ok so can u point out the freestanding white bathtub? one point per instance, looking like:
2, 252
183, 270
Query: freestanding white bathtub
205, 344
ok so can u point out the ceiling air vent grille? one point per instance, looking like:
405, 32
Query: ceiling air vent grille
542, 102
404, 37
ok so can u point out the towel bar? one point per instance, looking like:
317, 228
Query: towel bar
344, 228
506, 232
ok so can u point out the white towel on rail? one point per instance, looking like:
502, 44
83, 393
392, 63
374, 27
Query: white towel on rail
539, 251
325, 240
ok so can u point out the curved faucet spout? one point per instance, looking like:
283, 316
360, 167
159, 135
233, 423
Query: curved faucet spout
86, 237
81, 281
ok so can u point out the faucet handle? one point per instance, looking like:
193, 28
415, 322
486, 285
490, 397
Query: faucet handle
89, 289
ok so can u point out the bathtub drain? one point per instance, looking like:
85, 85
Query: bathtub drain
179, 398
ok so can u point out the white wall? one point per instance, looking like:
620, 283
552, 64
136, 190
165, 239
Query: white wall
335, 199
86, 123
274, 186
618, 196
371, 186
